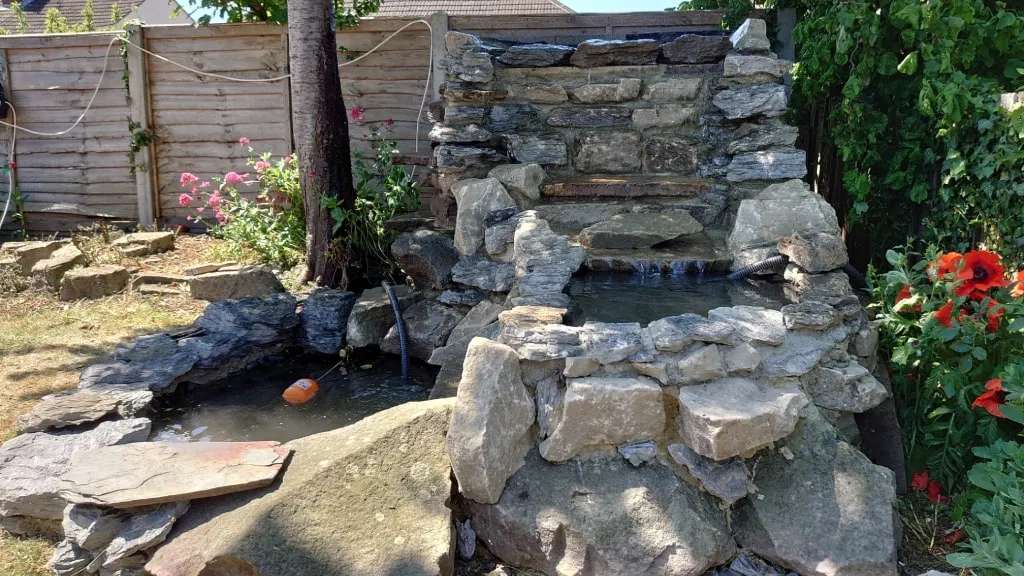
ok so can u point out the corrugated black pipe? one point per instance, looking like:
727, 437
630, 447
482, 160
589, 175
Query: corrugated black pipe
403, 339
773, 264
856, 278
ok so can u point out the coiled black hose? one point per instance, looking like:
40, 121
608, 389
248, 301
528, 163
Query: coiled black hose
856, 278
403, 339
773, 264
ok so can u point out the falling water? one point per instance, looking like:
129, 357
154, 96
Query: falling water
702, 266
680, 267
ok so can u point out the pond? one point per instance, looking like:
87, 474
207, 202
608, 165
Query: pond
248, 406
643, 298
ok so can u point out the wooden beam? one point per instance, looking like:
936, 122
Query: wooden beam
439, 27
286, 88
5, 76
138, 89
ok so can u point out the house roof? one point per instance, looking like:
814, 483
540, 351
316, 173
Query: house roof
35, 12
405, 8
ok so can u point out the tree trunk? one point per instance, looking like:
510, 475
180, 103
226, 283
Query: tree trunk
320, 128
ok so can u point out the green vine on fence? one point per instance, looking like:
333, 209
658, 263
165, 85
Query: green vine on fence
139, 139
917, 119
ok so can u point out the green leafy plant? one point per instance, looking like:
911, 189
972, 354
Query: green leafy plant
915, 117
954, 326
736, 11
268, 225
995, 545
383, 189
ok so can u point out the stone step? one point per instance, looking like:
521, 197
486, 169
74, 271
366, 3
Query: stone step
570, 215
696, 254
629, 186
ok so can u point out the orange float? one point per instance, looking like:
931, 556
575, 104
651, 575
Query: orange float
301, 391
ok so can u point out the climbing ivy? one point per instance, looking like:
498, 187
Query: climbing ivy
917, 120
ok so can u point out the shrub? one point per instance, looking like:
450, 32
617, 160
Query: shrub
270, 226
955, 327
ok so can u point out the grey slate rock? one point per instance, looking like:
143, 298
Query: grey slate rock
252, 320
427, 325
372, 315
323, 320
536, 55
469, 133
92, 528
639, 453
593, 53
696, 49
589, 116
510, 117
763, 136
670, 154
768, 165
726, 479
810, 315
751, 36
147, 528
68, 559
459, 158
749, 101
674, 333
609, 152
544, 149
427, 257
483, 274
460, 297
461, 114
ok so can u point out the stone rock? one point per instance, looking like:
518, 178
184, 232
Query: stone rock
599, 411
484, 274
735, 417
451, 358
825, 511
851, 388
699, 365
758, 68
372, 316
499, 239
248, 281
589, 116
93, 282
68, 559
781, 210
767, 135
370, 498
471, 160
881, 437
552, 299
427, 257
594, 53
476, 199
609, 152
146, 473
674, 89
458, 134
695, 49
488, 436
633, 231
800, 353
75, 407
456, 41
748, 101
145, 529
252, 320
768, 165
465, 92
663, 117
751, 36
522, 181
29, 253
470, 66
625, 89
323, 320
727, 479
539, 93
536, 55
510, 117
53, 268
753, 324
865, 343
476, 319
461, 114
602, 516
460, 297
580, 367
639, 453
466, 545
427, 326
816, 253
742, 359
674, 333
496, 217
92, 528
810, 316
544, 261
144, 243
31, 465
669, 154
656, 370
522, 316
546, 149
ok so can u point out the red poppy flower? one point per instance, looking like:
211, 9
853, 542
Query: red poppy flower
992, 397
919, 481
935, 492
903, 295
1018, 288
994, 315
946, 266
945, 314
954, 537
981, 271
13, 165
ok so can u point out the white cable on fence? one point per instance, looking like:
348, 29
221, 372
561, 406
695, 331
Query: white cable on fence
106, 57
10, 171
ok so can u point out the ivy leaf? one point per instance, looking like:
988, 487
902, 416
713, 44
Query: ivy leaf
909, 64
919, 193
910, 14
1012, 70
852, 88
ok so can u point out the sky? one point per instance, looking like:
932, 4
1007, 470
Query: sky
619, 5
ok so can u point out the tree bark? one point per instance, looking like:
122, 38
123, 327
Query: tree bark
320, 128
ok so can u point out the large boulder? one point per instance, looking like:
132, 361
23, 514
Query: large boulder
31, 465
544, 261
427, 257
781, 210
816, 253
634, 231
427, 326
488, 436
823, 509
245, 282
324, 319
476, 199
372, 315
53, 268
93, 282
371, 498
600, 515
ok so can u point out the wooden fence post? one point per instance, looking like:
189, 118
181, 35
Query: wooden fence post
5, 76
438, 28
138, 90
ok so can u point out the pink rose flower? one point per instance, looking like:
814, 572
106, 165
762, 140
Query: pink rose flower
233, 178
188, 179
243, 141
184, 200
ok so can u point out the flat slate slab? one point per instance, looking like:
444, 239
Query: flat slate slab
158, 472
631, 231
629, 187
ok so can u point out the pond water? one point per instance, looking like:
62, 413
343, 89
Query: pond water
248, 405
643, 298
